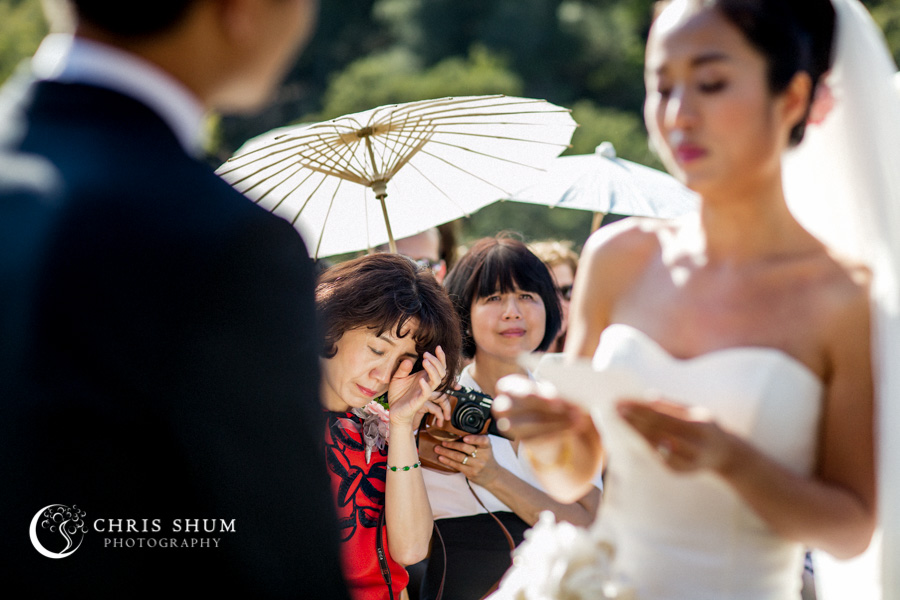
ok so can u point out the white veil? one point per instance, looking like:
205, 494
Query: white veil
843, 184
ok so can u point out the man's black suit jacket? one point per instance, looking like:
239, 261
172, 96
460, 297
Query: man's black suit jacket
158, 363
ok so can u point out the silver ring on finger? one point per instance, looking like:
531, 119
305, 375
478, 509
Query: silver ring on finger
465, 460
474, 452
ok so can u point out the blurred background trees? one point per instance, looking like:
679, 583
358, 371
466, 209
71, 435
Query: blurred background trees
582, 54
22, 26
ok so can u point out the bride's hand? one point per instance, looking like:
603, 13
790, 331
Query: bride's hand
524, 412
410, 395
685, 438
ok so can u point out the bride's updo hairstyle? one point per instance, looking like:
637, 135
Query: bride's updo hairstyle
793, 36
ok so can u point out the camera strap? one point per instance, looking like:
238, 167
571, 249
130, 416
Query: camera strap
386, 569
440, 591
382, 556
509, 539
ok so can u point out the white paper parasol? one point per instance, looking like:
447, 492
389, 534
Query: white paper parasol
365, 179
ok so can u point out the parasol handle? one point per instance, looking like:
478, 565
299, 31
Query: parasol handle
391, 242
379, 186
380, 189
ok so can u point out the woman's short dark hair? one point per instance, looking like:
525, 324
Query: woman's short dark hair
132, 18
501, 263
383, 292
792, 35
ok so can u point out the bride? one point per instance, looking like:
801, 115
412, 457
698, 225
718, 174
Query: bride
750, 436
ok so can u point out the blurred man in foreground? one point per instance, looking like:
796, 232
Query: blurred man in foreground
160, 373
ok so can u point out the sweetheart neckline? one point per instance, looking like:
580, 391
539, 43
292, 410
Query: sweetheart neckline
790, 359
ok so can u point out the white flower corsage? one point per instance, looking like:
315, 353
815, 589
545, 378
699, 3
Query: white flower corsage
376, 425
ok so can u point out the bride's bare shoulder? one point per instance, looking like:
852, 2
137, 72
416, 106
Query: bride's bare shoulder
627, 242
846, 280
837, 295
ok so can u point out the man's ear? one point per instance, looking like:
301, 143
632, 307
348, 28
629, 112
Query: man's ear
237, 18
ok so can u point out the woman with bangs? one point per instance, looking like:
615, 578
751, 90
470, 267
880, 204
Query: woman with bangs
507, 304
391, 339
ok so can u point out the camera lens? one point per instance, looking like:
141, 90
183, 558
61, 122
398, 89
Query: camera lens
469, 418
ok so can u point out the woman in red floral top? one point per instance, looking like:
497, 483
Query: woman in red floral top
391, 338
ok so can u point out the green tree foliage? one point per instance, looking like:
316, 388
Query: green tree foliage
611, 49
345, 32
398, 76
624, 129
563, 49
531, 222
582, 54
22, 25
887, 14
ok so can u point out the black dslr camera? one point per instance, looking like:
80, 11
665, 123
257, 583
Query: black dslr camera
470, 413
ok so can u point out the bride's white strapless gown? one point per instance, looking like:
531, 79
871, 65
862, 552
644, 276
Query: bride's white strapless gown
690, 537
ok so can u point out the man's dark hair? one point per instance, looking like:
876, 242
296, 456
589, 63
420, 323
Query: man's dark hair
131, 19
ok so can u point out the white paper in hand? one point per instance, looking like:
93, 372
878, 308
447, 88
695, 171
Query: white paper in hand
576, 381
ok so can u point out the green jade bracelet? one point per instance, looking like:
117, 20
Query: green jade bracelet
406, 468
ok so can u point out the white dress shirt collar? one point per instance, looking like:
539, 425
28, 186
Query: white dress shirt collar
69, 59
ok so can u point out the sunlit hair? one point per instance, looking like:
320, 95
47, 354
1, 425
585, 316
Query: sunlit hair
793, 36
501, 263
386, 293
556, 252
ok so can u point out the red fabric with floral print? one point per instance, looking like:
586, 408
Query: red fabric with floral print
358, 490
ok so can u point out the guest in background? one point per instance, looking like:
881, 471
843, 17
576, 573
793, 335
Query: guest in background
508, 305
562, 261
450, 247
391, 339
434, 248
425, 249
